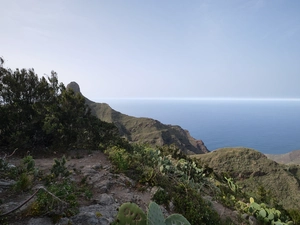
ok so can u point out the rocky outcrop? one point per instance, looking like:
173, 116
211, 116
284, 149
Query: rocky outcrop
145, 130
74, 86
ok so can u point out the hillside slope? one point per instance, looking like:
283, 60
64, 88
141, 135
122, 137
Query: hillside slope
287, 158
145, 130
252, 169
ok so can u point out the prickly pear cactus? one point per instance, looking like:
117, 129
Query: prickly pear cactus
155, 216
130, 214
177, 219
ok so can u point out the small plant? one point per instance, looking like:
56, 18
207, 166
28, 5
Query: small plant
88, 194
59, 168
98, 214
28, 173
161, 197
234, 187
24, 182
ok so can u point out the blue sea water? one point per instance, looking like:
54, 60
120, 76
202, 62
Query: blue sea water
269, 126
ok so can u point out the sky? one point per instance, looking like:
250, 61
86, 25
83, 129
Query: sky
158, 48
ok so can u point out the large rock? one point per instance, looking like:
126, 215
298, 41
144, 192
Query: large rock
40, 221
74, 86
93, 215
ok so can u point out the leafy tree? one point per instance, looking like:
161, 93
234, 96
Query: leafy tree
40, 112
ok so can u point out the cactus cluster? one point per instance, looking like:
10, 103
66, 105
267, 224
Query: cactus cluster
265, 214
132, 214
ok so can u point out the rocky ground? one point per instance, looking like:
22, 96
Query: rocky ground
109, 190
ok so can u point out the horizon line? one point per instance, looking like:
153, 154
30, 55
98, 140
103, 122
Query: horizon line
204, 99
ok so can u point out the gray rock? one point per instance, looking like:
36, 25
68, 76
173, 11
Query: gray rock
8, 206
252, 220
105, 199
103, 186
40, 221
6, 183
85, 218
108, 211
10, 166
171, 206
64, 221
93, 215
97, 166
245, 216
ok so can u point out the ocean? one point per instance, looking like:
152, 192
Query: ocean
269, 126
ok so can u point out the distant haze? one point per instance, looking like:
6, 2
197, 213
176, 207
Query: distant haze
158, 49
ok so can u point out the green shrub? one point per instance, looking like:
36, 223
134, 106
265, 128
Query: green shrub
119, 157
59, 168
193, 207
24, 182
295, 215
65, 205
161, 197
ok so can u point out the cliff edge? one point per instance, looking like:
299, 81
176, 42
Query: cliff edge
145, 130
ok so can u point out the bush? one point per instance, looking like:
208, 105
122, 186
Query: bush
24, 183
119, 157
193, 207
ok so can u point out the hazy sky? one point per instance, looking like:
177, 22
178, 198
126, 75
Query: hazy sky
162, 48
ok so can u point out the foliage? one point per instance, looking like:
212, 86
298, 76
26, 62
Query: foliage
130, 213
189, 203
24, 182
263, 213
40, 112
59, 168
181, 179
119, 157
295, 215
64, 201
234, 187
28, 173
47, 204
161, 197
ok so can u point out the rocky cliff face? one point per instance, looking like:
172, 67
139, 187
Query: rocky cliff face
145, 130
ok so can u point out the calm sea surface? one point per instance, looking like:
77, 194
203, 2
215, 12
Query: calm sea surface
271, 127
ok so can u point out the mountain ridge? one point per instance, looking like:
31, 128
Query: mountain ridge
145, 130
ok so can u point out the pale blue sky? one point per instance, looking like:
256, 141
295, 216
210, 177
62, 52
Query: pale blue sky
163, 48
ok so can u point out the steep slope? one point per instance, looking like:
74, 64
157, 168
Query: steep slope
145, 130
287, 158
252, 169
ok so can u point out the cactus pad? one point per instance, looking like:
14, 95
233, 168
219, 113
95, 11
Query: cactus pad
130, 213
177, 219
155, 216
